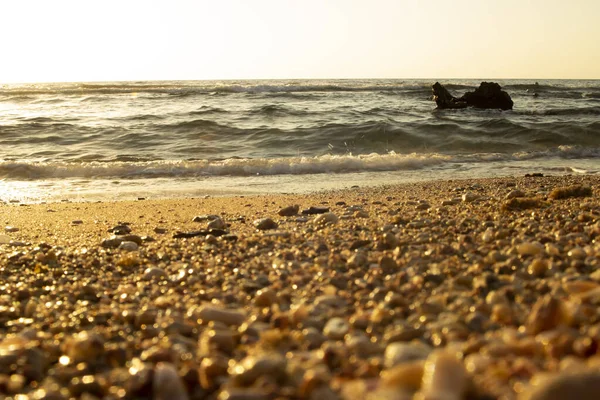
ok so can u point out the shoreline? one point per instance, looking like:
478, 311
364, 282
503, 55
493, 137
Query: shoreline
363, 299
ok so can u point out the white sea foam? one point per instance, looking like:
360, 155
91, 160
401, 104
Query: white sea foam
337, 164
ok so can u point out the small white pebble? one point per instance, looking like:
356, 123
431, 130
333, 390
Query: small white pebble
128, 246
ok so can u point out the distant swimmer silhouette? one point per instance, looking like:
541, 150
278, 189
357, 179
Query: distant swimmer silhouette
535, 91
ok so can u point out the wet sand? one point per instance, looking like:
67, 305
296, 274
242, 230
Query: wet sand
459, 289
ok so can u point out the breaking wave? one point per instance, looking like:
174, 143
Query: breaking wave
125, 168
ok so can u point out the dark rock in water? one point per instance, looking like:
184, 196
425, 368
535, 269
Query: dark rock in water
487, 95
444, 99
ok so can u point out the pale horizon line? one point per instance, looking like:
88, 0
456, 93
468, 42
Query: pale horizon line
290, 79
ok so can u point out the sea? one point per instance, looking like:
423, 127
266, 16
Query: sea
165, 139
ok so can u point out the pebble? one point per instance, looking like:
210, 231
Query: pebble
217, 314
154, 273
336, 328
577, 253
584, 385
265, 298
112, 242
406, 376
361, 214
264, 224
289, 211
315, 210
84, 346
444, 377
488, 236
469, 197
248, 370
538, 267
399, 353
547, 313
166, 384
514, 194
451, 202
121, 229
326, 219
216, 223
134, 238
207, 217
529, 249
11, 229
128, 246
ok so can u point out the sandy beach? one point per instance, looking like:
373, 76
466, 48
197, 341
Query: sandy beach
464, 289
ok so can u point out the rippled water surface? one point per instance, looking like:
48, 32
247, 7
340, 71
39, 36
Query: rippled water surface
227, 136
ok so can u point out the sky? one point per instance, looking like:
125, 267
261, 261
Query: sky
108, 40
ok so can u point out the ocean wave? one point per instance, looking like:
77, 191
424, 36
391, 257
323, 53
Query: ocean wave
574, 111
136, 168
182, 89
276, 110
208, 110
